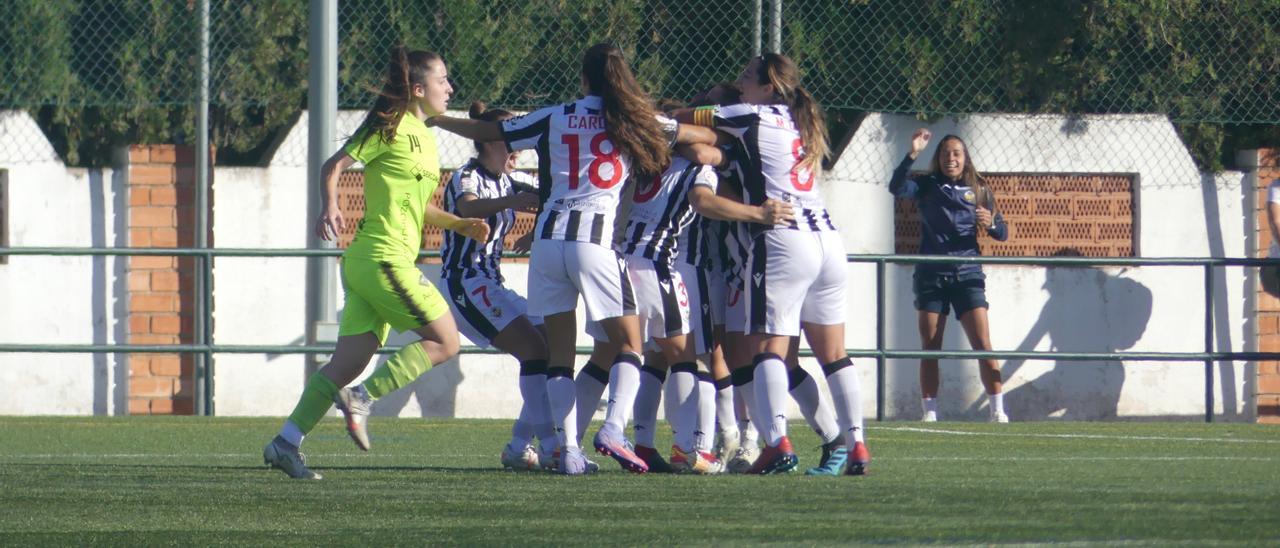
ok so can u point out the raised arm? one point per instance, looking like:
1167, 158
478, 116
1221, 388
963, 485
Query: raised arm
331, 221
901, 184
476, 130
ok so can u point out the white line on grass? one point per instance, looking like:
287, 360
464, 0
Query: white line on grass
1066, 436
214, 456
241, 456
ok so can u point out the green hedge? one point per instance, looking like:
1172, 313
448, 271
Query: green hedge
99, 73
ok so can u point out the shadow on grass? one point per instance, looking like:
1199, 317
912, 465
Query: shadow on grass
155, 466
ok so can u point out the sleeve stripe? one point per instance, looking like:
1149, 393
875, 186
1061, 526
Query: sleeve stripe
704, 116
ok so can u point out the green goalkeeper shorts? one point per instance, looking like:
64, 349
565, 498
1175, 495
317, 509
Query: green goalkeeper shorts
382, 295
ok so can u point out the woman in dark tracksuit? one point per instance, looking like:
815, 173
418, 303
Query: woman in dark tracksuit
954, 204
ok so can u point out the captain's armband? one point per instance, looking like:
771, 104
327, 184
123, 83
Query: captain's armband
705, 116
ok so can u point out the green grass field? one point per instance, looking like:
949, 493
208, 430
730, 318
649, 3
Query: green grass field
198, 481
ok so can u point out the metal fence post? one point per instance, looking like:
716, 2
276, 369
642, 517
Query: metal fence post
202, 320
756, 28
880, 344
775, 26
1208, 343
322, 108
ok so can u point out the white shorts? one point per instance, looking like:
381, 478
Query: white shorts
662, 302
735, 309
559, 271
484, 307
698, 283
717, 290
793, 277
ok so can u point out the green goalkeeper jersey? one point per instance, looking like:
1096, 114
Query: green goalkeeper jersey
399, 179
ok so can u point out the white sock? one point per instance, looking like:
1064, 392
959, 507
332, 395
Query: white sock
703, 439
930, 405
561, 392
726, 417
771, 398
589, 385
682, 389
292, 434
533, 390
743, 393
546, 431
624, 381
820, 417
521, 430
846, 395
997, 403
647, 398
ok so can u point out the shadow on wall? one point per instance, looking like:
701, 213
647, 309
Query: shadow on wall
1109, 319
436, 391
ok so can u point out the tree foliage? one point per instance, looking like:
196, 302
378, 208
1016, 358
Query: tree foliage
101, 73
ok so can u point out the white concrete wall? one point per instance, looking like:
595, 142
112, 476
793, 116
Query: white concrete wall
46, 300
1182, 213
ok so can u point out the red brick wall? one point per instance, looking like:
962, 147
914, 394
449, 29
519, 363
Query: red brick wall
1046, 213
1268, 307
161, 297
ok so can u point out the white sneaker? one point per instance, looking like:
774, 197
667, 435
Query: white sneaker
525, 460
550, 462
281, 455
998, 417
743, 459
726, 445
930, 416
354, 403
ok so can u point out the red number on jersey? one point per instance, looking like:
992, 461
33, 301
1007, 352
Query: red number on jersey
647, 192
598, 161
483, 292
797, 173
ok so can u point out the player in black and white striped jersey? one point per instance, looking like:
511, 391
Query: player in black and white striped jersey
661, 241
586, 149
488, 313
737, 443
795, 276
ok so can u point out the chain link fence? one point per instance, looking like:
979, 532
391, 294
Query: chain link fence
93, 74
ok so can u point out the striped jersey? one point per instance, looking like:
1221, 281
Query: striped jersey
730, 239
726, 241
580, 171
661, 219
462, 256
769, 151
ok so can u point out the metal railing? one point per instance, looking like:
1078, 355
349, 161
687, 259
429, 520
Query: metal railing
206, 347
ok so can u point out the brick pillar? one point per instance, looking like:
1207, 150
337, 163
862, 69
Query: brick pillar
1267, 315
161, 289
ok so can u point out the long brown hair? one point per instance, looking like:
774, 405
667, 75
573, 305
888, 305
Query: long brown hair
969, 174
480, 111
404, 70
629, 117
780, 71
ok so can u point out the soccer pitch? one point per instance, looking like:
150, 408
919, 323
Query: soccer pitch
199, 481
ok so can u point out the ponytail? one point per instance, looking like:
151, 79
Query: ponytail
404, 69
780, 71
630, 119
